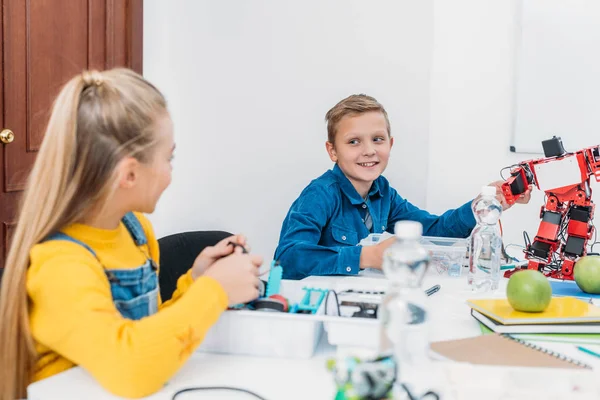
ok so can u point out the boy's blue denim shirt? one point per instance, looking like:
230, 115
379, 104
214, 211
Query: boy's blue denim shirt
321, 231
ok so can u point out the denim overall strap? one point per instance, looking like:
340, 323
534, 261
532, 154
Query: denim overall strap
62, 236
134, 291
135, 229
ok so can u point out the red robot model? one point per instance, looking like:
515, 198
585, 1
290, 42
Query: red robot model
566, 225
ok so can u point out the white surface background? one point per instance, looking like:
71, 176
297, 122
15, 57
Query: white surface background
558, 83
249, 84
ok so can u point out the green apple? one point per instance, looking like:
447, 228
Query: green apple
529, 291
587, 274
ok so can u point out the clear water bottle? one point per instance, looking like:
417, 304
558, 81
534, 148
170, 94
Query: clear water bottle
485, 242
404, 311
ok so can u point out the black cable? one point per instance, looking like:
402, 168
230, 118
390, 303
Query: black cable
501, 171
235, 244
561, 234
595, 237
411, 396
504, 253
337, 302
505, 168
234, 389
526, 239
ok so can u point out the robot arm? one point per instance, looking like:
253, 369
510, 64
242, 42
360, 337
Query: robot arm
561, 174
565, 226
519, 181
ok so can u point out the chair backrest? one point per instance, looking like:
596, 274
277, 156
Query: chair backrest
178, 253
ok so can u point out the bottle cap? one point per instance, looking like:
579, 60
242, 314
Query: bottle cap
408, 229
488, 191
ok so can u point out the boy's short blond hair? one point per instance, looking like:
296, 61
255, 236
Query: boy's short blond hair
355, 104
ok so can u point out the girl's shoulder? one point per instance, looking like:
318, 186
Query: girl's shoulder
60, 258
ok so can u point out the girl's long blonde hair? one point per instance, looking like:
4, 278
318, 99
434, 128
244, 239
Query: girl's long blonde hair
97, 119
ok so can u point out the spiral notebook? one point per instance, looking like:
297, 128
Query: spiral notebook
504, 350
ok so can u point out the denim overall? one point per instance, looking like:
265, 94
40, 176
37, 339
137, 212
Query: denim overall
134, 291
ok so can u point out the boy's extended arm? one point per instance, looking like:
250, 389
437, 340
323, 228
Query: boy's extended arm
453, 223
299, 251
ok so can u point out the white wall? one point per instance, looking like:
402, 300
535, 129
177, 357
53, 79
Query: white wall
249, 84
559, 42
471, 105
472, 100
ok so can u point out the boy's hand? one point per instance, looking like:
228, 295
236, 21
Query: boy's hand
210, 254
523, 198
372, 256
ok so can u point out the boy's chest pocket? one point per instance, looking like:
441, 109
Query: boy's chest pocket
134, 291
344, 236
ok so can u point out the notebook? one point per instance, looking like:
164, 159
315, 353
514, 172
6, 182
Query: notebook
562, 310
535, 328
570, 288
571, 338
504, 350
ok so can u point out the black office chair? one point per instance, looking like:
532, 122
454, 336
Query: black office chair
177, 255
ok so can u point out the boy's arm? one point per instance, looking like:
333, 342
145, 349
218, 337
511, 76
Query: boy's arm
299, 251
453, 223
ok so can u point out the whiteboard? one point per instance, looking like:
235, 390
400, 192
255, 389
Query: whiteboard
557, 75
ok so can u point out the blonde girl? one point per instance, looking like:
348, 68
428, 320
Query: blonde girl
80, 285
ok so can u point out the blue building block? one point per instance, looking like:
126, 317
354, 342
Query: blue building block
305, 305
274, 281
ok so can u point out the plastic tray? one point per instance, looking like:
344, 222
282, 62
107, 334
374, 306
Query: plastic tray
448, 255
363, 333
269, 334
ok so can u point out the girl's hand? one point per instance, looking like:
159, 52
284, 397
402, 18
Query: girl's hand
211, 254
238, 275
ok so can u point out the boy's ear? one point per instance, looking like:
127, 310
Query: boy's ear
331, 151
128, 172
391, 141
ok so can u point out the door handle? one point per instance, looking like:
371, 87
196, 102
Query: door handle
7, 136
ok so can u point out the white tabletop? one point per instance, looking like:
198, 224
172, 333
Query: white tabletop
277, 378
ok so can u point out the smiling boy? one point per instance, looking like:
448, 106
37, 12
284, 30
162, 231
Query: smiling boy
334, 212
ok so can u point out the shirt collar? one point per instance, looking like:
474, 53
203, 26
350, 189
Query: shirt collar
349, 190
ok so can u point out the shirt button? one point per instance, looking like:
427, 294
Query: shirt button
343, 237
364, 206
348, 269
383, 227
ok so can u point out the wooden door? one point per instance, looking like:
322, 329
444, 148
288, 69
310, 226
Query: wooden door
43, 44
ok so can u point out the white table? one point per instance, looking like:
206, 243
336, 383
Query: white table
276, 379
253, 373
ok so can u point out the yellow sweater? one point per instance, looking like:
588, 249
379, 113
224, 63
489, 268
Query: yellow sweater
74, 320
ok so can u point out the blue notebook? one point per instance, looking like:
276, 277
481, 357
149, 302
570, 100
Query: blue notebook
570, 288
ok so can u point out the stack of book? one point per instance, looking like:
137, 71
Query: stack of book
567, 319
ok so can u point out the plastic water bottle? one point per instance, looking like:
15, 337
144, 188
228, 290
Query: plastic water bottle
404, 312
485, 242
